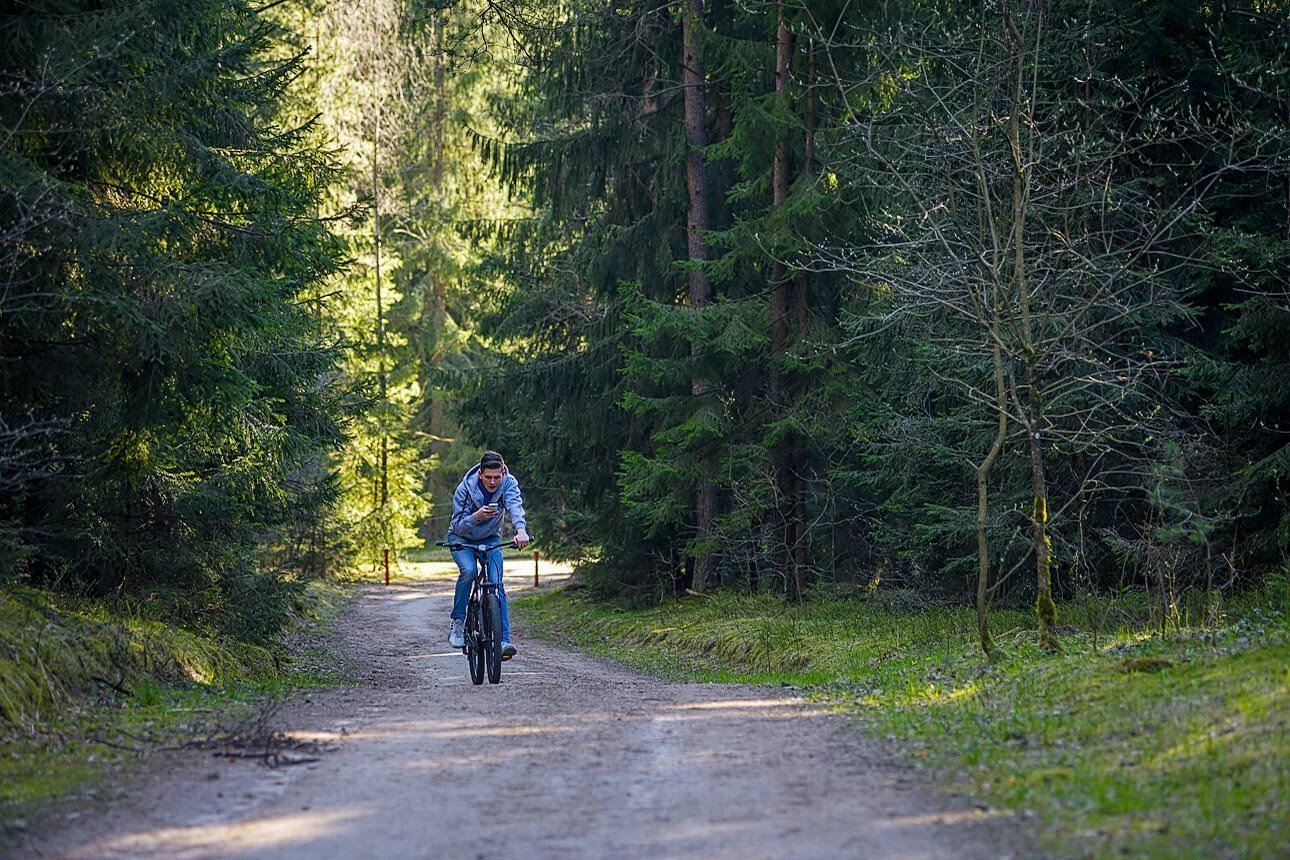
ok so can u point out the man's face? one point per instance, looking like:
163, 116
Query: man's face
490, 478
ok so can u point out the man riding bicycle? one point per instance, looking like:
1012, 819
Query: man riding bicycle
477, 513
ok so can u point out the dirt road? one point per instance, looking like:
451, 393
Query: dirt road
567, 757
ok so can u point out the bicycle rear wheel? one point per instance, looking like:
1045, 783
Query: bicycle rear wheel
493, 636
474, 643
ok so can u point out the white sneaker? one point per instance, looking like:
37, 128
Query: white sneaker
457, 633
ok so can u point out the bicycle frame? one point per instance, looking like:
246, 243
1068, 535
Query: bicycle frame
483, 634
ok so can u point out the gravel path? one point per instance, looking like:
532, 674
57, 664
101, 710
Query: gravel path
567, 757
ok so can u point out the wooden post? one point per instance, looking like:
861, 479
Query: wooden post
387, 567
535, 568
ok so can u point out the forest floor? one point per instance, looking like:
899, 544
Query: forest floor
569, 756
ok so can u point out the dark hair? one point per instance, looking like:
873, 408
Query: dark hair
492, 460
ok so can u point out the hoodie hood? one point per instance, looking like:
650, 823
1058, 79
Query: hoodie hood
470, 497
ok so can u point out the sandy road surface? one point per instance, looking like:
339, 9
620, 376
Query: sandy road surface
567, 757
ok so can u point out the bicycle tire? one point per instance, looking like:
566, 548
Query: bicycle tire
493, 636
474, 644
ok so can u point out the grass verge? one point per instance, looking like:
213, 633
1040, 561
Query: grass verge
1128, 743
85, 695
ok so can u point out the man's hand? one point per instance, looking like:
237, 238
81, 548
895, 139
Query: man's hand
487, 512
522, 539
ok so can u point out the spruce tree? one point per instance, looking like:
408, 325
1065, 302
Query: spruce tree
158, 226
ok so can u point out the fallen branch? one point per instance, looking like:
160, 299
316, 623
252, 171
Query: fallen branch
272, 759
107, 743
119, 687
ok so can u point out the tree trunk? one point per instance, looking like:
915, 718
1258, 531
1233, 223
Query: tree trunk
1022, 159
1045, 608
798, 500
723, 170
380, 316
697, 224
812, 110
781, 298
437, 298
982, 472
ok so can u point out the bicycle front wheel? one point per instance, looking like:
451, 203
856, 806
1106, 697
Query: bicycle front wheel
474, 643
493, 636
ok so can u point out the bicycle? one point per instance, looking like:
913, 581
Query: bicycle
483, 646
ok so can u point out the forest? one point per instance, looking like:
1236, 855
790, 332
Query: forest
988, 302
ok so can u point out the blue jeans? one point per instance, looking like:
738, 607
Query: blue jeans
465, 559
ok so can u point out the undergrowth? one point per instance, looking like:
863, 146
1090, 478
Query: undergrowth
1133, 741
85, 693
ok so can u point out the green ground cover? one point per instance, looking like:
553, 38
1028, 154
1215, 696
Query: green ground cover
1132, 742
87, 693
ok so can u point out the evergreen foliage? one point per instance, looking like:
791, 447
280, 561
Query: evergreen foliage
366, 87
165, 389
845, 442
596, 158
756, 295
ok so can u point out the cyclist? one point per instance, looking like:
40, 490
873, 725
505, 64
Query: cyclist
477, 507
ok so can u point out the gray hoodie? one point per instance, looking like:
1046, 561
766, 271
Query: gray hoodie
470, 497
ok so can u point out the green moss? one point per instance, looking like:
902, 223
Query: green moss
1145, 664
1046, 609
56, 651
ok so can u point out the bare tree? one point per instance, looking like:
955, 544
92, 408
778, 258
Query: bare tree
1006, 231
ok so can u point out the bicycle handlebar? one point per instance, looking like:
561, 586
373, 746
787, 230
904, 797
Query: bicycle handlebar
485, 547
